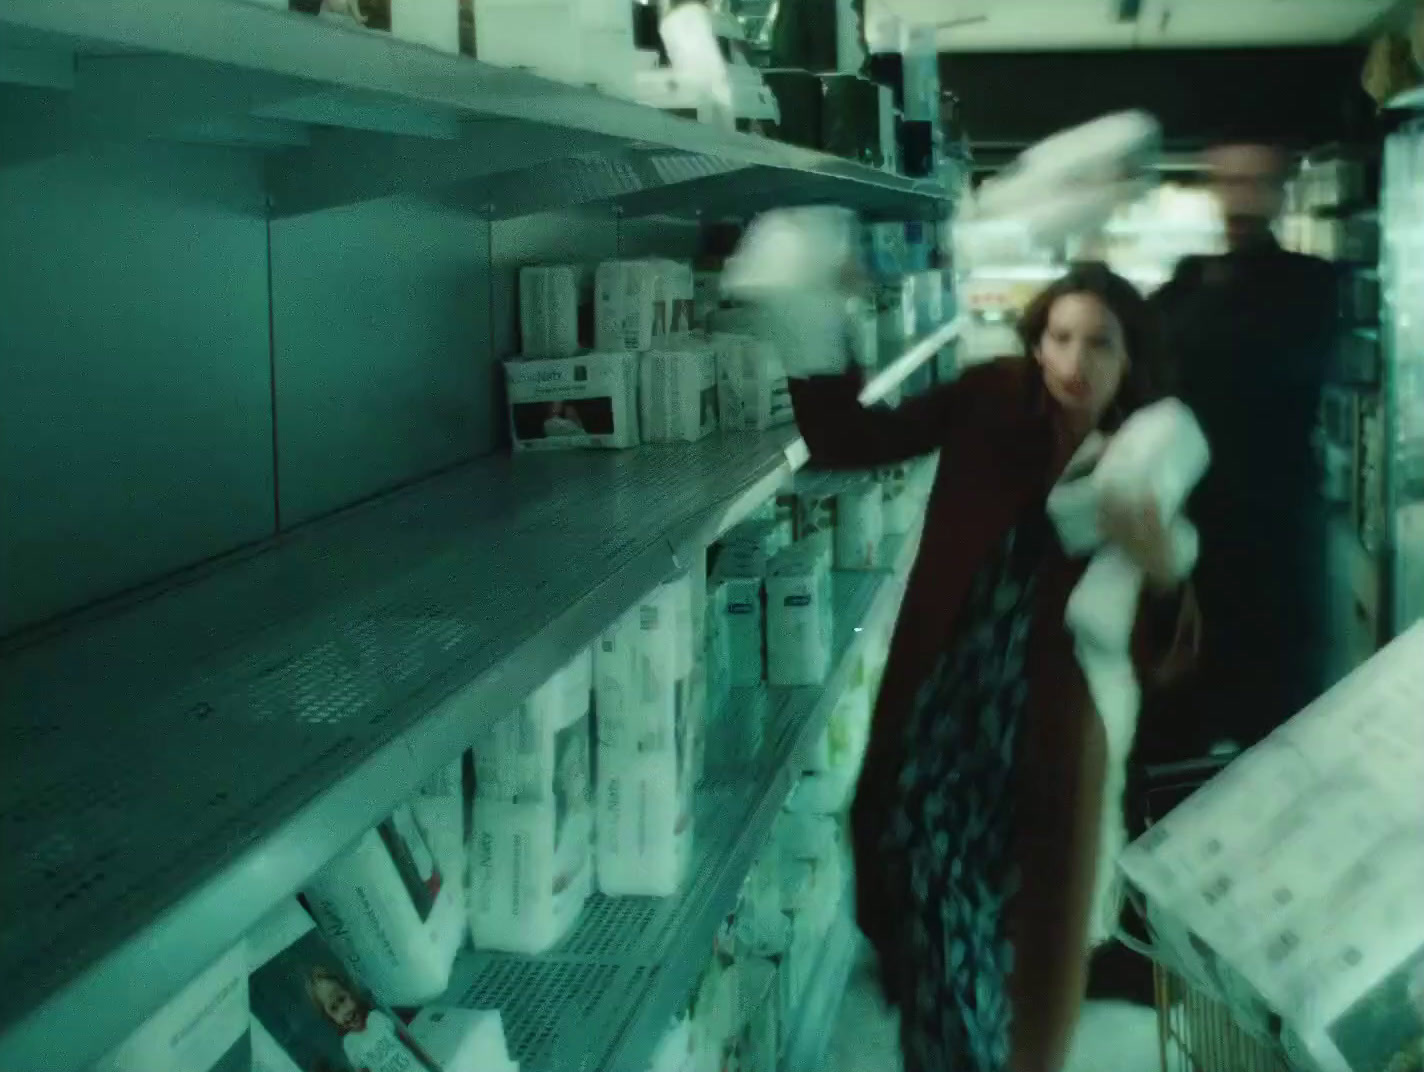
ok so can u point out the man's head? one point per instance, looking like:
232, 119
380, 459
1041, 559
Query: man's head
1249, 184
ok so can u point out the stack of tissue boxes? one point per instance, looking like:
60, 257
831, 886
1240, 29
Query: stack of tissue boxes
531, 841
648, 724
799, 620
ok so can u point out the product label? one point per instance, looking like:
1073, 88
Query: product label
415, 863
319, 1017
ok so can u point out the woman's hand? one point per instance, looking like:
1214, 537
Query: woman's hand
1137, 528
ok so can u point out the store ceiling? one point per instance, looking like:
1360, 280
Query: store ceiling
1053, 25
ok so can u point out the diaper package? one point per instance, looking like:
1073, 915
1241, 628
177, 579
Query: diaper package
644, 820
532, 826
741, 572
442, 809
799, 621
566, 403
555, 310
389, 911
309, 1011
638, 302
650, 692
816, 515
678, 394
860, 525
752, 389
204, 1029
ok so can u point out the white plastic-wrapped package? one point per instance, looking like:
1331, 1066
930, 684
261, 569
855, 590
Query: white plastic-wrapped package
574, 402
205, 1028
899, 508
639, 302
644, 821
799, 622
435, 23
769, 535
752, 389
860, 526
441, 808
741, 571
816, 517
675, 1052
463, 1040
677, 394
555, 301
310, 1011
841, 744
641, 671
518, 758
530, 872
389, 912
761, 926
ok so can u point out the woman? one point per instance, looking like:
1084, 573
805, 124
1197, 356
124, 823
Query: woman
976, 820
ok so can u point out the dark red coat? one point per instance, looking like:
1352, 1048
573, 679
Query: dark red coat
1002, 448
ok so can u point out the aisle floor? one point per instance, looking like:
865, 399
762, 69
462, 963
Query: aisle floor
1112, 1037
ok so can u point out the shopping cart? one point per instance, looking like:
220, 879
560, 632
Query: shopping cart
1196, 1032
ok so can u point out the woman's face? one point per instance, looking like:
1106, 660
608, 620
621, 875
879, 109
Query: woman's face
1083, 355
338, 1004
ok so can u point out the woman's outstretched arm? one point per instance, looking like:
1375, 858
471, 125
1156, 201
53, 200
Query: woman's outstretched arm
842, 433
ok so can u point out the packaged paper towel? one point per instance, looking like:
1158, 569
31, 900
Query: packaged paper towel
860, 526
644, 820
678, 394
555, 310
799, 621
587, 401
741, 571
523, 756
463, 1040
309, 1011
389, 912
204, 1029
1294, 875
752, 389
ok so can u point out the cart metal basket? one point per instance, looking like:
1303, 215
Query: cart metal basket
1196, 1032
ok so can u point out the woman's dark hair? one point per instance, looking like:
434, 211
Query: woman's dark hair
1141, 334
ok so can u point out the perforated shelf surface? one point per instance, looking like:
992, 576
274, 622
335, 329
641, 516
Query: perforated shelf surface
178, 764
603, 998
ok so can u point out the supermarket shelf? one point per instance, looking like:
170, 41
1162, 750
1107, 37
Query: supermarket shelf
181, 761
605, 996
814, 1022
391, 117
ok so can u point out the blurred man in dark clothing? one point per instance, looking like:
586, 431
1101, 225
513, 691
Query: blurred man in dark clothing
1252, 333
